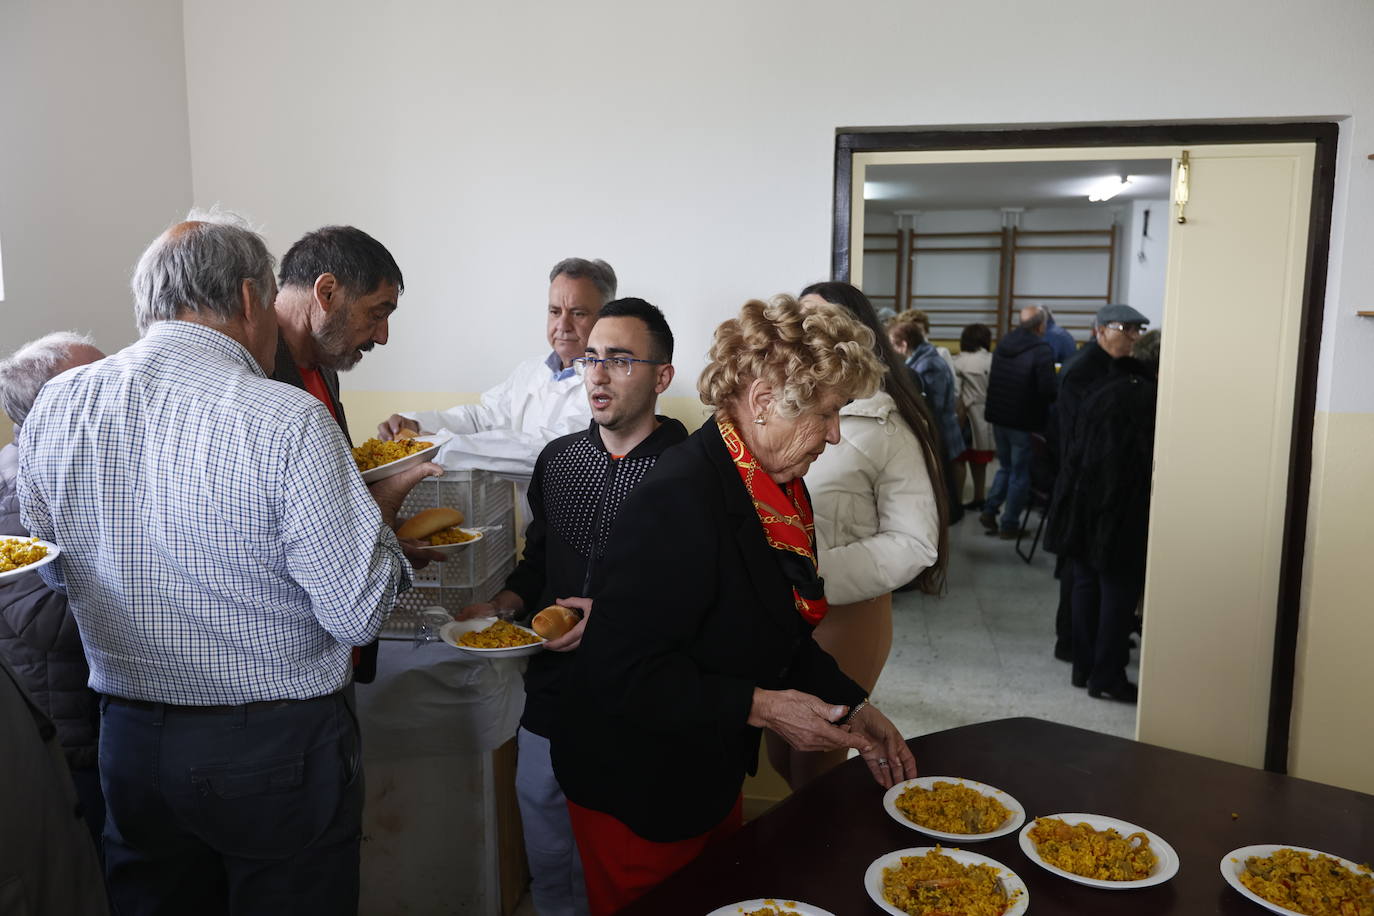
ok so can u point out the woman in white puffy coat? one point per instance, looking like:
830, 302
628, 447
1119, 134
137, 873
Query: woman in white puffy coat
881, 514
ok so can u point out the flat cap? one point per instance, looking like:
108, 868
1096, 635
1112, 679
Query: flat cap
1122, 313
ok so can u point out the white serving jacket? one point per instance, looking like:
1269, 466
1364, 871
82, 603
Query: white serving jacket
877, 525
507, 430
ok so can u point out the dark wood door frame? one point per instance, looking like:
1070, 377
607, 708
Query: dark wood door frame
1324, 135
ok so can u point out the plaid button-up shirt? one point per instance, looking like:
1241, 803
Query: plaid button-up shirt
218, 544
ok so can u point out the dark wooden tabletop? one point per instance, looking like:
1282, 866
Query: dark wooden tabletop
816, 845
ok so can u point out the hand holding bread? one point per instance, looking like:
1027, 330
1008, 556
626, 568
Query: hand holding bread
581, 610
554, 621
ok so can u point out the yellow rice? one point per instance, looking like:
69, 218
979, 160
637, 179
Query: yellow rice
1313, 885
454, 535
14, 554
1101, 854
934, 883
773, 908
500, 635
374, 452
952, 808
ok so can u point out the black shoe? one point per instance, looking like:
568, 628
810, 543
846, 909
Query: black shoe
1124, 691
975, 506
1078, 679
1064, 654
988, 521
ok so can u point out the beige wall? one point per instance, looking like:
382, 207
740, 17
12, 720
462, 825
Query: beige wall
1333, 728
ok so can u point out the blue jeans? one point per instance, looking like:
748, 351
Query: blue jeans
1012, 483
237, 809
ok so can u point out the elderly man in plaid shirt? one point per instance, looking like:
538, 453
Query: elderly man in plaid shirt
221, 555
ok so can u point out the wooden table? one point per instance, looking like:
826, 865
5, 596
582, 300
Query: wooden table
816, 845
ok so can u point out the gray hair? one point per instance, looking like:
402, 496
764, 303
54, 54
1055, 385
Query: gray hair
24, 373
1146, 349
198, 266
599, 272
1037, 319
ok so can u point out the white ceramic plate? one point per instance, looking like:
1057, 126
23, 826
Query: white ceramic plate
1233, 863
53, 551
1013, 821
452, 548
781, 904
1017, 895
383, 471
1166, 864
450, 632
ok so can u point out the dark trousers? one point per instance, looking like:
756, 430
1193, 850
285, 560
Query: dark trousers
1103, 611
251, 809
1063, 614
87, 783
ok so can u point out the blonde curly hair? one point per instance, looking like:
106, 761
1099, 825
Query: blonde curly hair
804, 351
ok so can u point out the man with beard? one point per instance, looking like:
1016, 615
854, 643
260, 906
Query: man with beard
579, 483
337, 290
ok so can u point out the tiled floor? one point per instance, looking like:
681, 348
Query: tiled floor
985, 649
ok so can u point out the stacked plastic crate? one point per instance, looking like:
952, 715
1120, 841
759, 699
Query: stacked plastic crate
472, 573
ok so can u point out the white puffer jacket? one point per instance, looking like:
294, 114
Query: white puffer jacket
876, 521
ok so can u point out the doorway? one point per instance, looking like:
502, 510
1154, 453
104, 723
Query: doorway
1244, 284
965, 247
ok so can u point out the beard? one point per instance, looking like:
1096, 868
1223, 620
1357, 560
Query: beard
335, 344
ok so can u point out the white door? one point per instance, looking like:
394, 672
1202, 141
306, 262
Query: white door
1228, 377
1228, 373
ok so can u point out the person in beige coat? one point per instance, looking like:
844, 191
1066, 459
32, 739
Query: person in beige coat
972, 367
881, 511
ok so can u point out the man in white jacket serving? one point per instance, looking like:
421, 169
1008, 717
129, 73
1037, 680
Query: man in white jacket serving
540, 401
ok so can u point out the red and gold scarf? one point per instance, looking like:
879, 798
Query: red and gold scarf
788, 524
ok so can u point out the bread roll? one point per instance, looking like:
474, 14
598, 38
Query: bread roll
554, 621
423, 524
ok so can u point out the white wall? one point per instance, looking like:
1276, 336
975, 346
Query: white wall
94, 159
1144, 260
693, 147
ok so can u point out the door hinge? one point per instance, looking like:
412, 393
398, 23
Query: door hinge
1181, 186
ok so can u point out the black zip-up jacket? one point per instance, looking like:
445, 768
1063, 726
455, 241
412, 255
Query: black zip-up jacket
1021, 385
574, 495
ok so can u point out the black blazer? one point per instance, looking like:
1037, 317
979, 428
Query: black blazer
692, 612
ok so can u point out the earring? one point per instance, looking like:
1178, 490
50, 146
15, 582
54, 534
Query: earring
759, 419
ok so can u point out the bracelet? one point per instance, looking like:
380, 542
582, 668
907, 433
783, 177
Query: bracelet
854, 711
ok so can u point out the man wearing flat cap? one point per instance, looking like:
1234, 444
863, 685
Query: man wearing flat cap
1116, 328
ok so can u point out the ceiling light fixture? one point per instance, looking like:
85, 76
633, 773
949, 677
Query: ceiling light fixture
1109, 188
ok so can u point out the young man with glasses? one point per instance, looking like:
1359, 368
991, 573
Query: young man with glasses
578, 486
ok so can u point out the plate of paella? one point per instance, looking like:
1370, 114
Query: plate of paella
955, 809
1099, 851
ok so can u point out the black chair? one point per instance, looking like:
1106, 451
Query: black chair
1041, 489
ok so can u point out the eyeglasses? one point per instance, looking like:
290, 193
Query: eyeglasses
614, 365
1135, 329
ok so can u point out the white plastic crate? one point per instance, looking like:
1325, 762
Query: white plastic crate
472, 573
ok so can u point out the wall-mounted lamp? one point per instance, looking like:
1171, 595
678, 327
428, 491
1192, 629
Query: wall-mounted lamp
1109, 188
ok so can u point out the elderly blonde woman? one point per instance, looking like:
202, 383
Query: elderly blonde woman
701, 631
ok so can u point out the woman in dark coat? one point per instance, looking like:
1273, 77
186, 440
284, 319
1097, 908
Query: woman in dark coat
701, 632
1105, 517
